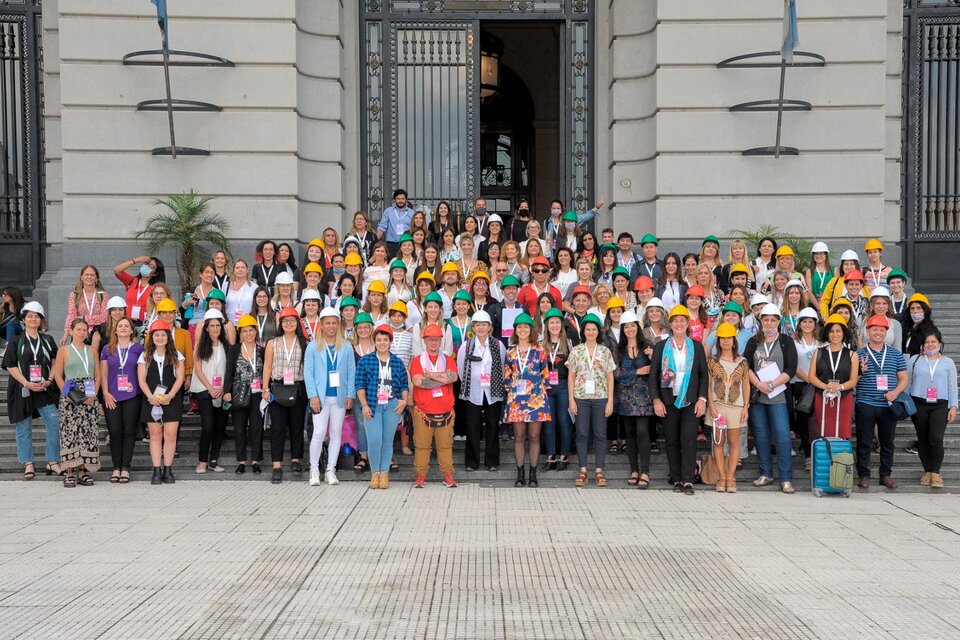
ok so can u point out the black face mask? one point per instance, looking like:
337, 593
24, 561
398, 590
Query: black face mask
481, 211
523, 213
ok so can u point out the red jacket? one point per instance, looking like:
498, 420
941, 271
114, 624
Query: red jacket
528, 297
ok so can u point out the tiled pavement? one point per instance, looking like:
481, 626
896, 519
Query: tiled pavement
251, 560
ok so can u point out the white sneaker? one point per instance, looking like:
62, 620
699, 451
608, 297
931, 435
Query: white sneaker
331, 477
314, 478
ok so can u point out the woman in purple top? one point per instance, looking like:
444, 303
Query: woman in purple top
118, 362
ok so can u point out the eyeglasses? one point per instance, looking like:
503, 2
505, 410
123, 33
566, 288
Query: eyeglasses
540, 270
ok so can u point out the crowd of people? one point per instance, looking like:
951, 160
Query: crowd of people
481, 329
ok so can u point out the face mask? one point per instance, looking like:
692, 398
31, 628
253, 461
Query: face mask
916, 317
569, 226
932, 352
481, 211
524, 213
770, 332
555, 213
339, 271
145, 270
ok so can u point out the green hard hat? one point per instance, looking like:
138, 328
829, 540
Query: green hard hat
433, 296
509, 281
592, 317
398, 264
523, 318
462, 295
897, 273
349, 301
363, 317
712, 239
571, 216
733, 306
553, 313
649, 237
216, 294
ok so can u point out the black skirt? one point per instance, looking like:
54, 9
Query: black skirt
171, 412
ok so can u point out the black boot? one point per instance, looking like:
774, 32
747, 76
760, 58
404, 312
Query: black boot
157, 478
533, 477
521, 477
168, 475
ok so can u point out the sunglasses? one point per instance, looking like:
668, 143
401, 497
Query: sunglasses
540, 270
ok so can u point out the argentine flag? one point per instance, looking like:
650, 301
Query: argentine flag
791, 34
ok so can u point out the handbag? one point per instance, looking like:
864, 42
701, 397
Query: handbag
285, 395
804, 403
709, 472
75, 394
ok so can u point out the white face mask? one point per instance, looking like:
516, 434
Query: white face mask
770, 332
555, 213
932, 352
569, 226
916, 317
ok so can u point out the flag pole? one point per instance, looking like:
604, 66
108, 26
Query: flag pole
783, 76
166, 77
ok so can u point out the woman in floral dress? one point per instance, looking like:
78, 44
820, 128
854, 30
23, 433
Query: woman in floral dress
525, 373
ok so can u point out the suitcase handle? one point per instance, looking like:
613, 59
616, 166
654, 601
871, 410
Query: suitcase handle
823, 417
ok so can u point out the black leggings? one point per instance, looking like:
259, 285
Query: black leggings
930, 421
284, 419
637, 429
122, 424
248, 427
680, 431
213, 428
800, 422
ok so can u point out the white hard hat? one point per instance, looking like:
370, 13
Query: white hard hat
329, 312
34, 306
655, 302
880, 292
759, 299
849, 254
116, 302
820, 247
630, 316
495, 218
310, 294
284, 277
807, 312
481, 316
794, 283
770, 309
212, 314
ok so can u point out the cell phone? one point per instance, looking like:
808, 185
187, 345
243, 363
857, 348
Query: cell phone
227, 405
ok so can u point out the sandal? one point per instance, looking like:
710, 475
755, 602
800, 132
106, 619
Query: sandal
644, 481
581, 480
601, 478
623, 447
70, 482
362, 466
51, 471
731, 486
86, 480
124, 477
634, 479
394, 467
29, 474
613, 447
115, 477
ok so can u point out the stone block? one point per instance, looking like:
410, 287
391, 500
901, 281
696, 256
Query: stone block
53, 141
242, 41
117, 85
892, 179
234, 9
756, 10
141, 173
319, 56
634, 98
314, 218
894, 102
635, 218
634, 139
321, 17
634, 56
319, 182
318, 99
319, 140
894, 134
733, 175
634, 181
633, 17
225, 131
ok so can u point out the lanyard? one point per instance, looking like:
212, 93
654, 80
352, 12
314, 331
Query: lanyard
513, 268
332, 357
876, 274
628, 264
140, 290
681, 350
768, 348
260, 325
384, 370
484, 351
807, 348
933, 369
252, 360
312, 327
792, 319
522, 360
898, 311
267, 274
361, 350
650, 269
463, 329
122, 356
288, 353
834, 365
34, 347
89, 302
883, 358
84, 359
399, 289
592, 357
822, 277
553, 354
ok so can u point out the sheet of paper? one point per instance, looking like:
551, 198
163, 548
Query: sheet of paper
509, 317
768, 373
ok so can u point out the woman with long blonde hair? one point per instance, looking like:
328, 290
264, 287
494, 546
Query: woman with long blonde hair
88, 301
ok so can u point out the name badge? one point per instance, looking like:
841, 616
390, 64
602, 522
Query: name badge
400, 228
255, 385
931, 394
438, 392
160, 390
135, 312
589, 386
217, 382
237, 314
288, 377
89, 388
521, 387
696, 332
720, 422
484, 379
383, 394
36, 373
882, 383
554, 378
123, 383
334, 379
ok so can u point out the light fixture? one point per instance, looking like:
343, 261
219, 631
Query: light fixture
491, 49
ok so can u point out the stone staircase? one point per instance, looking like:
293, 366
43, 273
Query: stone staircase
906, 465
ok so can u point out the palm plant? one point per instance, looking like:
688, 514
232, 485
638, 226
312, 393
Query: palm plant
752, 237
189, 228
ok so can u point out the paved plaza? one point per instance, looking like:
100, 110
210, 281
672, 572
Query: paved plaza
253, 560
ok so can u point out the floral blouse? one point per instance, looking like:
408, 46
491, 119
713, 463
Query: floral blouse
582, 369
632, 394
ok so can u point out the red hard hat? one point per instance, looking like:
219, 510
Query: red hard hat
643, 283
696, 290
853, 274
384, 328
432, 331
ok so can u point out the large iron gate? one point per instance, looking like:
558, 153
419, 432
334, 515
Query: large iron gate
931, 170
420, 97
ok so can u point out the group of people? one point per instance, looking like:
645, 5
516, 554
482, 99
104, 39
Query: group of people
443, 328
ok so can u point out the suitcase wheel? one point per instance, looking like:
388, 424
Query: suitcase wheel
818, 492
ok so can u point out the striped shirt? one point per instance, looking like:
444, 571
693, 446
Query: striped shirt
870, 367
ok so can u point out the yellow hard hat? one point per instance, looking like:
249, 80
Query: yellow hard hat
166, 305
399, 306
313, 267
246, 320
615, 302
918, 297
835, 318
785, 250
377, 286
426, 275
726, 330
316, 242
480, 274
678, 310
450, 266
872, 244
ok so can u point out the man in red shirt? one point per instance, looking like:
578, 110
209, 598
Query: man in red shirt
540, 270
433, 375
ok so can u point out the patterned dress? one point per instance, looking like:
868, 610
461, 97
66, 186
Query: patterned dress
79, 423
526, 388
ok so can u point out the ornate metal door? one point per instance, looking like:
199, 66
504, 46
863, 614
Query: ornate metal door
931, 188
420, 97
22, 231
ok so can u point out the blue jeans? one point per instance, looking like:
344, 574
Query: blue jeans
771, 425
361, 432
11, 331
51, 419
380, 430
559, 407
590, 419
